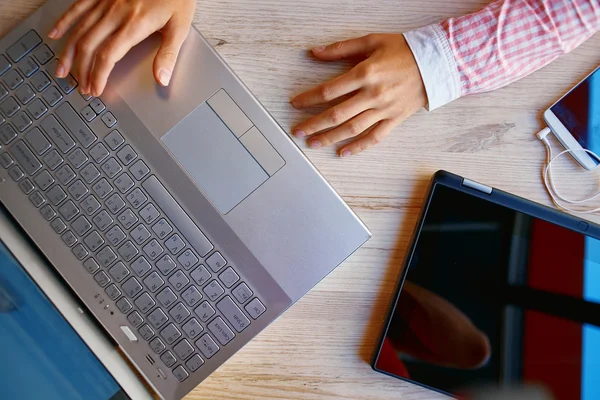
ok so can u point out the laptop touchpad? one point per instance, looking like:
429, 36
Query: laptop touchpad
214, 158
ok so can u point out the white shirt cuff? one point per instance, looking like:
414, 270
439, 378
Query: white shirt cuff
436, 63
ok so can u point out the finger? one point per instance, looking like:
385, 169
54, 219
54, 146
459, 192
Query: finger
69, 18
357, 47
334, 116
374, 136
328, 91
351, 128
67, 57
174, 35
88, 45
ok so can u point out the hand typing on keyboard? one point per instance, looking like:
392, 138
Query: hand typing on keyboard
105, 30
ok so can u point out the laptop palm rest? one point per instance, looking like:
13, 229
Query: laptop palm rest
214, 158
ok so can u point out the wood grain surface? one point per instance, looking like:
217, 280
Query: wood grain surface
321, 347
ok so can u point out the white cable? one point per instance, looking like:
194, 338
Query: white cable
549, 181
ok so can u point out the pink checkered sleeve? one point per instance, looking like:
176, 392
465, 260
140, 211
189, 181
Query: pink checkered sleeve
499, 44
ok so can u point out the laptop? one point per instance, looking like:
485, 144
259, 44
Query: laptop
183, 218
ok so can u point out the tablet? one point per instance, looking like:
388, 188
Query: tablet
498, 295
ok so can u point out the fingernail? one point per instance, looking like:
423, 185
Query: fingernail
346, 153
319, 49
294, 103
60, 71
300, 133
315, 144
164, 76
53, 33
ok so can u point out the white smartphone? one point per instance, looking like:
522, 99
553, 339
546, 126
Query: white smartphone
575, 119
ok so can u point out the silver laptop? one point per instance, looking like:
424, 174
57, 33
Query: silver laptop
184, 218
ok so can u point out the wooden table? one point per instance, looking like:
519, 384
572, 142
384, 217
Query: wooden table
320, 349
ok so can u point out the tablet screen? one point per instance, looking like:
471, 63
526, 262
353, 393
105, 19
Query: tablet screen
496, 299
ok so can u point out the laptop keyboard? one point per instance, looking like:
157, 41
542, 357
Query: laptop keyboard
119, 221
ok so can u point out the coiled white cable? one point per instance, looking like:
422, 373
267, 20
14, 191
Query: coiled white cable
549, 181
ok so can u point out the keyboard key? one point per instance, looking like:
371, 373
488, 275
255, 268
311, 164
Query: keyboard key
7, 134
67, 84
90, 205
207, 346
221, 331
255, 308
216, 261
69, 238
140, 234
57, 134
103, 220
125, 306
58, 225
25, 94
139, 170
153, 282
166, 265
242, 293
113, 291
102, 279
81, 225
157, 345
43, 180
135, 319
98, 106
90, 173
26, 158
176, 214
180, 373
157, 318
56, 195
77, 158
6, 160
194, 363
86, 97
75, 125
43, 54
88, 114
124, 183
204, 311
16, 173
111, 167
114, 140
170, 334
162, 228
119, 272
127, 155
13, 79
168, 358
28, 66
94, 241
40, 81
179, 313
141, 266
53, 159
37, 109
4, 65
233, 314
200, 275
145, 303
115, 203
65, 174
3, 92
127, 218
229, 277
191, 296
175, 244
52, 96
149, 213
78, 189
68, 210
22, 121
47, 212
109, 120
188, 259
91, 265
102, 188
183, 349
132, 287
192, 328
178, 280
10, 107
99, 152
24, 45
26, 186
146, 332
128, 251
115, 235
214, 290
166, 297
153, 249
106, 257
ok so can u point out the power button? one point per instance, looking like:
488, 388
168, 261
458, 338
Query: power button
583, 226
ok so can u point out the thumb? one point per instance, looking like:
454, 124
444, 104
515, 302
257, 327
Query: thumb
173, 37
357, 47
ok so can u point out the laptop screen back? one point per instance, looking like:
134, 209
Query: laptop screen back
496, 298
42, 356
